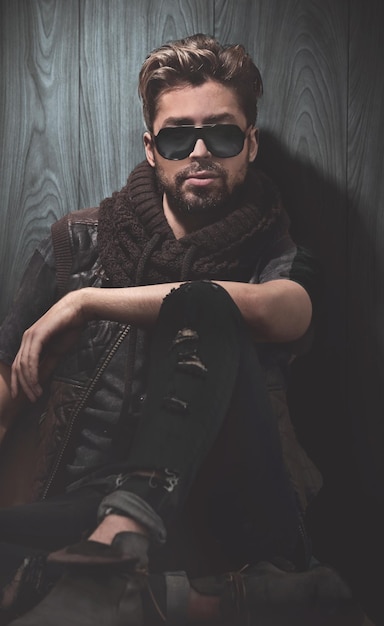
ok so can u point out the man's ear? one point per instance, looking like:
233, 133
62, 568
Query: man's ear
253, 144
148, 147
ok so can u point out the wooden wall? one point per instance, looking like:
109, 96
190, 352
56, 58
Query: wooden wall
71, 126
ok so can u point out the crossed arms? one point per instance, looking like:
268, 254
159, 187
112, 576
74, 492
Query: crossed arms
275, 311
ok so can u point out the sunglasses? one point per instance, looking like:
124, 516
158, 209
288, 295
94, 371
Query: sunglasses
177, 142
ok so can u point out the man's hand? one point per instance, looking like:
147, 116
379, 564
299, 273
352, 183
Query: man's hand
44, 343
59, 328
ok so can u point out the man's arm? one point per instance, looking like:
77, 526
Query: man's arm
278, 311
275, 311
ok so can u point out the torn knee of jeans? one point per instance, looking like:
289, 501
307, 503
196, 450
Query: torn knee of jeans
188, 359
175, 404
167, 479
192, 364
185, 336
162, 478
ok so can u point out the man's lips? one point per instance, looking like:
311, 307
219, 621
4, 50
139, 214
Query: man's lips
201, 178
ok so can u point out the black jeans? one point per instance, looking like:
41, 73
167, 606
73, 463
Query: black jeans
207, 444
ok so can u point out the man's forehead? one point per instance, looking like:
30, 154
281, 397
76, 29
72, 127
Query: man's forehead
208, 103
181, 120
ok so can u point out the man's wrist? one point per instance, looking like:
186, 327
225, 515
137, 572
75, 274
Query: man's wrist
85, 304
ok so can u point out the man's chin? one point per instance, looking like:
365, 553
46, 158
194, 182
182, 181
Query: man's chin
198, 203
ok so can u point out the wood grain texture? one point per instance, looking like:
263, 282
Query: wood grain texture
38, 117
116, 36
301, 48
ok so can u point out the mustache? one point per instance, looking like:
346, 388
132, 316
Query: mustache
201, 165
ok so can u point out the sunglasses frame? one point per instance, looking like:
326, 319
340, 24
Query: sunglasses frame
200, 132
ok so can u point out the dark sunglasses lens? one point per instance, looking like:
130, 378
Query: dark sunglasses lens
222, 140
175, 143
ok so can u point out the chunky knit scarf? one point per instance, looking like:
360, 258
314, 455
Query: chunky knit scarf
137, 245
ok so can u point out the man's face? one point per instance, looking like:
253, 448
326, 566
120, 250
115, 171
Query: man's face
201, 182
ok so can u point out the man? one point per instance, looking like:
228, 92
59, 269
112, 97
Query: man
158, 436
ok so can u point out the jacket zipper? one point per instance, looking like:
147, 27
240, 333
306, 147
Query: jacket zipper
81, 405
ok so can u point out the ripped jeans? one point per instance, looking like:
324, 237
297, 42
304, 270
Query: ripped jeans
206, 454
208, 423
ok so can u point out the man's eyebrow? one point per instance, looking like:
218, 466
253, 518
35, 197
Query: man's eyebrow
187, 121
221, 117
177, 121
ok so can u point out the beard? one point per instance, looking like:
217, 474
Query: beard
199, 200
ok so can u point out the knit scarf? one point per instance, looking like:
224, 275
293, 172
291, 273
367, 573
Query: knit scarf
137, 246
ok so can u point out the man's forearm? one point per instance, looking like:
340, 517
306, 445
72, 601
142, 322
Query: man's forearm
133, 305
275, 311
279, 310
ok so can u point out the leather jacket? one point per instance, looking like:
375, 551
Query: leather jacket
83, 378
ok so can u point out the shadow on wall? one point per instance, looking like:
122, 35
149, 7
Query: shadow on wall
345, 521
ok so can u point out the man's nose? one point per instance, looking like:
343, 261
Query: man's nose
200, 149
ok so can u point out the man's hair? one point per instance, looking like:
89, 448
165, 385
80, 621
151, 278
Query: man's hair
193, 61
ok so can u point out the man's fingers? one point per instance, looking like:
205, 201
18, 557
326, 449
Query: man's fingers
25, 367
14, 383
54, 333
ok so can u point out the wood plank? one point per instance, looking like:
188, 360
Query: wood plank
300, 46
116, 37
38, 121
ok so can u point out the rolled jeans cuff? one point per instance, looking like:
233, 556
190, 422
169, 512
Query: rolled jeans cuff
129, 504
